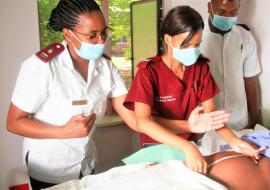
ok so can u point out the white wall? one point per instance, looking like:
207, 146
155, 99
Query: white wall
254, 13
19, 38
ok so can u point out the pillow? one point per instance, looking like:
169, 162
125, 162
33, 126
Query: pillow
155, 154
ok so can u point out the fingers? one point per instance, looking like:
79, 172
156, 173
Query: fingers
254, 160
249, 150
258, 152
92, 116
78, 117
86, 121
262, 148
217, 116
221, 117
200, 167
214, 125
204, 171
217, 113
197, 165
218, 121
91, 121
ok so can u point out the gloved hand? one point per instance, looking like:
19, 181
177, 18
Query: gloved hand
205, 122
243, 147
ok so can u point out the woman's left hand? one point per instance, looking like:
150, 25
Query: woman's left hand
243, 147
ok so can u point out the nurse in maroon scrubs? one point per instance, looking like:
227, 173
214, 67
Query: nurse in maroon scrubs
173, 84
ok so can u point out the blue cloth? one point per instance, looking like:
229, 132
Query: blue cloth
260, 139
225, 147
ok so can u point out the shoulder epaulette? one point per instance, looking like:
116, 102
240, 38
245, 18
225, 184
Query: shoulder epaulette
146, 62
48, 53
244, 26
203, 58
106, 56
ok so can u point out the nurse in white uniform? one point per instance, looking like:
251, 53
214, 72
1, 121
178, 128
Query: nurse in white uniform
61, 91
233, 62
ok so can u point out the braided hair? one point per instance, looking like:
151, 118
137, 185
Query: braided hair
66, 13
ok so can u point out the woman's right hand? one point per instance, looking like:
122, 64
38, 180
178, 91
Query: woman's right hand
194, 159
204, 122
79, 125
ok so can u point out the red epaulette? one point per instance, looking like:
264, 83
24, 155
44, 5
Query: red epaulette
148, 61
203, 58
48, 53
107, 56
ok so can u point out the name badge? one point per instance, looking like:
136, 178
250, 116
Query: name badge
79, 102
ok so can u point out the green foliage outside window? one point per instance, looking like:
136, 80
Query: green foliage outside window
46, 36
119, 16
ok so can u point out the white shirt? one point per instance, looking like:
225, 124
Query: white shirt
47, 90
233, 56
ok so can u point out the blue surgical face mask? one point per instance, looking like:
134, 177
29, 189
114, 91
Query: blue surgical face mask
89, 51
187, 56
223, 23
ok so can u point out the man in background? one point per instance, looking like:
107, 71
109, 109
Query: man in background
234, 63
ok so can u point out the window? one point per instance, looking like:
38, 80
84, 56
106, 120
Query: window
117, 15
120, 41
46, 36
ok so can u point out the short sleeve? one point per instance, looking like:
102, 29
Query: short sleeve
119, 88
31, 87
141, 90
251, 61
209, 87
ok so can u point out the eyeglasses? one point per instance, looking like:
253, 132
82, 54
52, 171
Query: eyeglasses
95, 37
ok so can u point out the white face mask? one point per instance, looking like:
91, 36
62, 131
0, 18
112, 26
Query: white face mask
89, 51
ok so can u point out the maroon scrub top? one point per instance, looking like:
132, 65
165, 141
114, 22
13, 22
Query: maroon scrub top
168, 96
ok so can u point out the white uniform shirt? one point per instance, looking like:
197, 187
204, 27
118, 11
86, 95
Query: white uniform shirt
233, 56
47, 90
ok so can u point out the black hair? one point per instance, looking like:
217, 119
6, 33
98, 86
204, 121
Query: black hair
182, 19
65, 14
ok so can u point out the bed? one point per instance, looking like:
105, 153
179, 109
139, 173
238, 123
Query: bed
171, 174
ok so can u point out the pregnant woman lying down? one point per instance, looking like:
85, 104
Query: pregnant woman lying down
234, 170
239, 172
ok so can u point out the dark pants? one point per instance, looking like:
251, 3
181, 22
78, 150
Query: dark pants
37, 185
